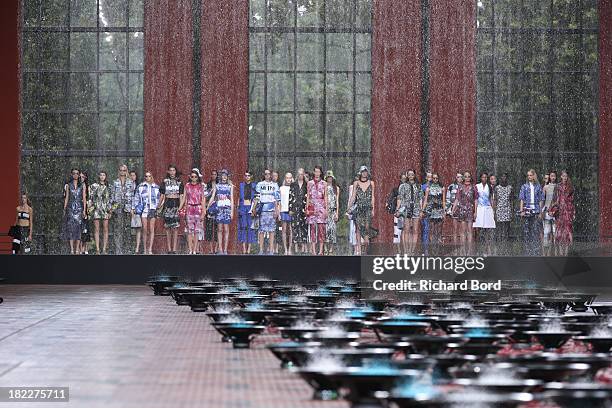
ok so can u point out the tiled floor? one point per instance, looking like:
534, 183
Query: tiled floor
120, 346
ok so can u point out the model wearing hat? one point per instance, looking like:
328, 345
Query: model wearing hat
361, 209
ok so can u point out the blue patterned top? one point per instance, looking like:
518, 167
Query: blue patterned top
147, 195
525, 196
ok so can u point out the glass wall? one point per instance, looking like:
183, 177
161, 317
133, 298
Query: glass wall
537, 102
310, 85
82, 98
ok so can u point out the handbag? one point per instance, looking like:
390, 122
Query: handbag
213, 209
13, 231
554, 211
136, 221
85, 234
139, 208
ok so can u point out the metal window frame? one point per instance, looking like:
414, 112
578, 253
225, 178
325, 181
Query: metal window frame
322, 113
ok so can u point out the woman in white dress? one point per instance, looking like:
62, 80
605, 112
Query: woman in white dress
485, 216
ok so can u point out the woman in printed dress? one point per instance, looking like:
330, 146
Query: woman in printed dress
297, 211
100, 207
316, 210
333, 201
464, 208
361, 209
194, 207
223, 194
434, 205
566, 213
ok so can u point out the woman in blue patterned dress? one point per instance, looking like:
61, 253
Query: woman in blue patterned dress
223, 195
74, 210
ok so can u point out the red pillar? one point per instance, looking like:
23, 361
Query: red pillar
224, 99
9, 113
396, 100
168, 89
452, 86
605, 119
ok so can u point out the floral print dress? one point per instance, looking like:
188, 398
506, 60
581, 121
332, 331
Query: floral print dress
316, 197
567, 211
330, 231
100, 201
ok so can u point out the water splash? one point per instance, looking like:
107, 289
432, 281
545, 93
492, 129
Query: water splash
553, 326
323, 361
601, 332
333, 332
475, 321
477, 332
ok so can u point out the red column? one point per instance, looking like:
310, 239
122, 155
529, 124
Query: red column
224, 99
9, 112
452, 104
605, 119
396, 99
168, 88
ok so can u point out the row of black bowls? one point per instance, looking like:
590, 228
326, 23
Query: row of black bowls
472, 350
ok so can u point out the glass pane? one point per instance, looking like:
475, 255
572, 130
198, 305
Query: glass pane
340, 92
29, 134
256, 51
363, 17
310, 13
484, 92
112, 131
29, 92
339, 133
83, 13
280, 92
484, 13
136, 13
112, 51
363, 91
536, 51
83, 94
565, 13
53, 90
136, 50
29, 43
136, 136
280, 13
256, 132
51, 181
536, 13
507, 14
257, 12
484, 51
280, 133
53, 131
310, 51
339, 52
256, 92
590, 15
363, 52
362, 133
309, 91
537, 87
83, 129
54, 51
339, 13
83, 51
54, 13
507, 52
568, 54
309, 132
31, 11
591, 60
136, 91
113, 91
112, 13
281, 51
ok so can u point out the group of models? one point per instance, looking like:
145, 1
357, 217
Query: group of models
484, 211
300, 214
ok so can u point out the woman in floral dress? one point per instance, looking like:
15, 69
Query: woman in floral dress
101, 209
194, 207
434, 207
503, 210
361, 209
316, 210
297, 211
333, 199
566, 213
464, 209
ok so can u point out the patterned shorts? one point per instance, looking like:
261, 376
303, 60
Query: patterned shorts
224, 215
267, 223
194, 224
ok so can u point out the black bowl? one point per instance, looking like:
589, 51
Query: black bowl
218, 316
324, 387
354, 357
602, 309
507, 386
579, 399
474, 349
349, 325
552, 341
257, 315
283, 350
427, 345
445, 361
409, 307
553, 372
241, 334
399, 329
298, 333
584, 328
448, 324
598, 344
328, 340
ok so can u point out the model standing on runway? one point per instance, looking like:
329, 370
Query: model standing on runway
566, 214
136, 221
223, 196
361, 208
434, 205
75, 199
121, 200
531, 201
503, 213
269, 197
25, 225
146, 201
210, 233
194, 207
171, 190
484, 224
451, 193
100, 209
548, 222
409, 211
333, 206
464, 208
285, 217
316, 210
297, 211
246, 234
